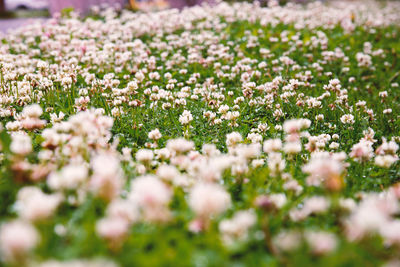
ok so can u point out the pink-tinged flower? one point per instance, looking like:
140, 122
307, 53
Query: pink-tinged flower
321, 242
372, 215
391, 232
385, 161
167, 172
316, 205
292, 148
152, 197
32, 111
296, 125
322, 168
238, 226
32, 123
179, 145
233, 138
70, 177
107, 179
347, 119
272, 145
124, 209
207, 199
287, 240
186, 117
17, 239
362, 151
144, 155
268, 202
113, 229
30, 117
389, 148
154, 134
276, 163
32, 204
197, 226
21, 144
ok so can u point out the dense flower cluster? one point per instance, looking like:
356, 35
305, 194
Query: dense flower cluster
262, 131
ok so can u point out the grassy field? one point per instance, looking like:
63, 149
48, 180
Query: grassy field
21, 13
231, 135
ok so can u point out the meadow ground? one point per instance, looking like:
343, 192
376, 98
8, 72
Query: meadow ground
231, 135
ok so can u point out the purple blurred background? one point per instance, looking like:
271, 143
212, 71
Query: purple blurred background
83, 6
29, 7
15, 7
80, 5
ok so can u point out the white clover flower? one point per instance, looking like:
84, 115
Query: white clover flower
238, 226
292, 148
347, 119
275, 163
287, 240
32, 204
21, 144
32, 111
154, 135
69, 177
272, 145
321, 242
334, 145
107, 178
152, 196
124, 209
255, 137
179, 145
144, 155
385, 161
207, 199
167, 172
233, 138
362, 151
295, 125
363, 60
113, 229
17, 238
186, 117
322, 167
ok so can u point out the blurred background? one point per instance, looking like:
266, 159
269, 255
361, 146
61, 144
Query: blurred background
15, 13
53, 6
